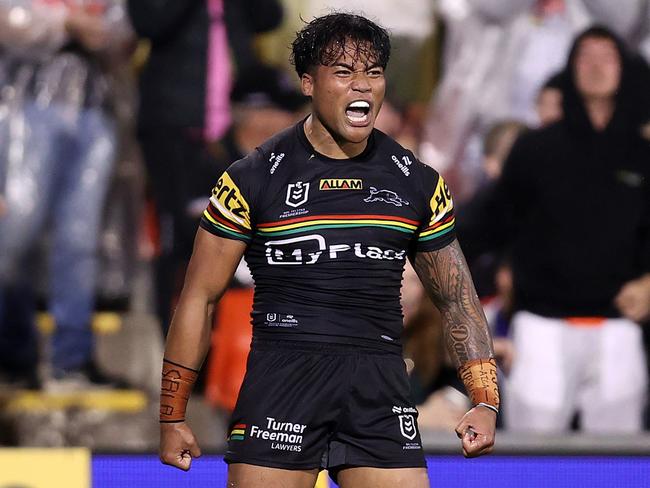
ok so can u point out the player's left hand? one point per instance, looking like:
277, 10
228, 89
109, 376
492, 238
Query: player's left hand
476, 431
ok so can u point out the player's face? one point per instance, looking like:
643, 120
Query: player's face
597, 68
347, 95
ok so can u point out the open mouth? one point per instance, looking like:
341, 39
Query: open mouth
358, 113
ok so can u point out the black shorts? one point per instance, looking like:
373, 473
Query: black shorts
309, 405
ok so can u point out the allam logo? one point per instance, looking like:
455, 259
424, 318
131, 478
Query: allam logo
340, 184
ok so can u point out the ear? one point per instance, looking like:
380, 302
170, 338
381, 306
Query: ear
307, 84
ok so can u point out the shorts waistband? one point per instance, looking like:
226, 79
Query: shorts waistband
264, 344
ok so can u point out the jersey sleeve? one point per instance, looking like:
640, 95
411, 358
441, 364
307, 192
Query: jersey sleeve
231, 208
438, 226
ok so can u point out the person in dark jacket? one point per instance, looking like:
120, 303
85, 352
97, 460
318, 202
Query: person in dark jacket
573, 203
184, 103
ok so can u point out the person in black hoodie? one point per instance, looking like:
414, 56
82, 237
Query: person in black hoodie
573, 206
184, 93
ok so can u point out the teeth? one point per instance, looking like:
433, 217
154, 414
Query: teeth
359, 104
358, 118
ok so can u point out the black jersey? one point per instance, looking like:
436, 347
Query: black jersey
327, 238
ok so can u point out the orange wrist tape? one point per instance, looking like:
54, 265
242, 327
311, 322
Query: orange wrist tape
175, 390
480, 379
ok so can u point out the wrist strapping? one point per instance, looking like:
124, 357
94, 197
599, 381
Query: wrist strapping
175, 389
480, 379
491, 407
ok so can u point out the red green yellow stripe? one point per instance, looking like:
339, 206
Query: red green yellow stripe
440, 226
340, 216
238, 432
439, 222
223, 227
439, 233
216, 216
293, 226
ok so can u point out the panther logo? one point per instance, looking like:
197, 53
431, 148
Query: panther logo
386, 196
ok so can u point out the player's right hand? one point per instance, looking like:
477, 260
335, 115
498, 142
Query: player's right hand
177, 445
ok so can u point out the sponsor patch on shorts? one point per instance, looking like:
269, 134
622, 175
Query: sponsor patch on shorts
281, 436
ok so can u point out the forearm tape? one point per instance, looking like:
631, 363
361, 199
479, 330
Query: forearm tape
175, 390
480, 379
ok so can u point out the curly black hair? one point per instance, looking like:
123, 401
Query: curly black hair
324, 39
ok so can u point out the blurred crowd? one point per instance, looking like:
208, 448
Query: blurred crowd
118, 116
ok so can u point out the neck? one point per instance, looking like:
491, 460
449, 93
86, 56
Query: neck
600, 111
327, 144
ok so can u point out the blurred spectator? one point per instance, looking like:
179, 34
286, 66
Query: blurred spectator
629, 19
549, 101
264, 102
397, 123
58, 161
483, 265
497, 55
18, 338
575, 200
497, 145
184, 102
491, 269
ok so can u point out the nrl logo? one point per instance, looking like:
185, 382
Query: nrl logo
407, 426
297, 194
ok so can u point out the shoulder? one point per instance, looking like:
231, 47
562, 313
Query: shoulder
402, 160
423, 181
266, 158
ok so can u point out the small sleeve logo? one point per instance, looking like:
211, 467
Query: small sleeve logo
228, 199
441, 202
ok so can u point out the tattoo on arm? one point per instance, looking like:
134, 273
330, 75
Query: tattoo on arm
446, 278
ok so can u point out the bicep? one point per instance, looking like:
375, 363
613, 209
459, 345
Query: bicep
213, 263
